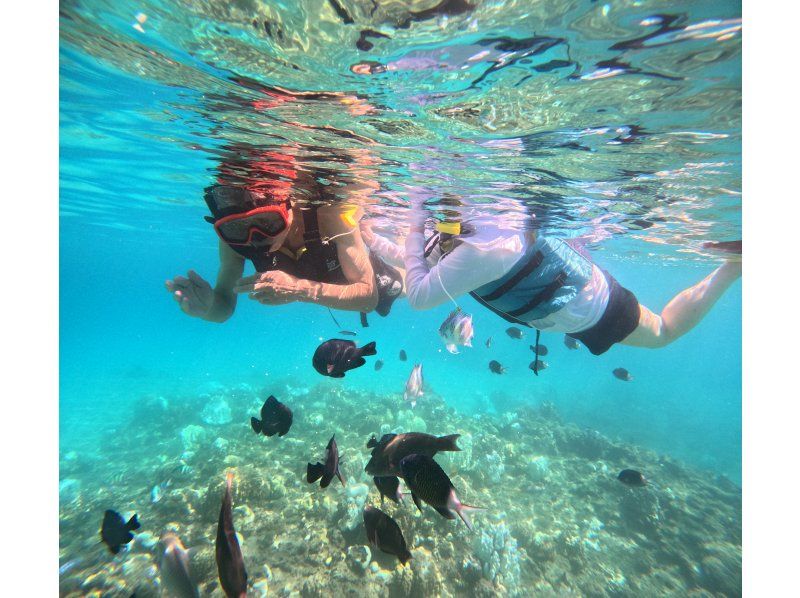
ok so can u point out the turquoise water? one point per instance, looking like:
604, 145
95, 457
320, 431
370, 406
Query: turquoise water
143, 118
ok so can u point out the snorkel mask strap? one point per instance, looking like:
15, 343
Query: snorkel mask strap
310, 224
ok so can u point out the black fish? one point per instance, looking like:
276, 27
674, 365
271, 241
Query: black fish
388, 486
403, 355
378, 365
326, 470
542, 349
384, 533
276, 418
622, 374
427, 481
514, 332
632, 478
489, 342
391, 448
336, 356
496, 367
115, 532
372, 442
570, 343
348, 332
537, 365
230, 564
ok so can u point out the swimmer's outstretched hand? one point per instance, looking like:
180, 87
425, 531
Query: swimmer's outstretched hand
417, 213
193, 294
273, 288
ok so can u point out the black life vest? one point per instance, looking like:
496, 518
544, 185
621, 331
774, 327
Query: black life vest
318, 261
548, 276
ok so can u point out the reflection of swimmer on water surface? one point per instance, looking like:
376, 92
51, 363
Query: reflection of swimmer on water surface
274, 97
498, 52
302, 237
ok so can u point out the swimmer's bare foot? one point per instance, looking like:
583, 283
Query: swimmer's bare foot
732, 251
733, 247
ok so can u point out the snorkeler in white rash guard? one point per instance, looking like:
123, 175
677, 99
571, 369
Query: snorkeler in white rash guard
544, 283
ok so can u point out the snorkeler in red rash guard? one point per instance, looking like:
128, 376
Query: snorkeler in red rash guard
304, 242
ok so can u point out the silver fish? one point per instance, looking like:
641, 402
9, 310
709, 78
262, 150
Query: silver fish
414, 386
174, 567
457, 330
157, 492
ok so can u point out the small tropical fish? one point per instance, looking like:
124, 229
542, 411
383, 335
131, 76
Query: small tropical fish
335, 357
115, 532
515, 332
414, 386
348, 332
537, 365
391, 448
141, 18
174, 568
388, 486
157, 493
542, 349
276, 418
622, 374
378, 365
457, 330
384, 533
632, 478
489, 343
403, 356
496, 367
230, 564
570, 343
427, 481
326, 470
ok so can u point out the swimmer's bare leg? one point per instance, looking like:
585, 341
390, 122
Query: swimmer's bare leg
684, 311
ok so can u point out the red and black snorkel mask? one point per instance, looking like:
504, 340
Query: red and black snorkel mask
240, 217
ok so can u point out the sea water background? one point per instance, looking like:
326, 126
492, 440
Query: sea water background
122, 337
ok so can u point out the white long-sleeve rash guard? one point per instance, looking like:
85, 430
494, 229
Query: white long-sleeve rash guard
485, 257
388, 251
481, 258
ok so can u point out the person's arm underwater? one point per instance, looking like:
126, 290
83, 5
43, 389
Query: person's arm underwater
465, 269
460, 271
195, 295
389, 251
338, 225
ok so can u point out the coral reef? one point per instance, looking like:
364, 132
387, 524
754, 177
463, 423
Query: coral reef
500, 558
216, 412
555, 522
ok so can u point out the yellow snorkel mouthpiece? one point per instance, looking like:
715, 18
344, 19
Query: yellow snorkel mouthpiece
349, 216
449, 228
